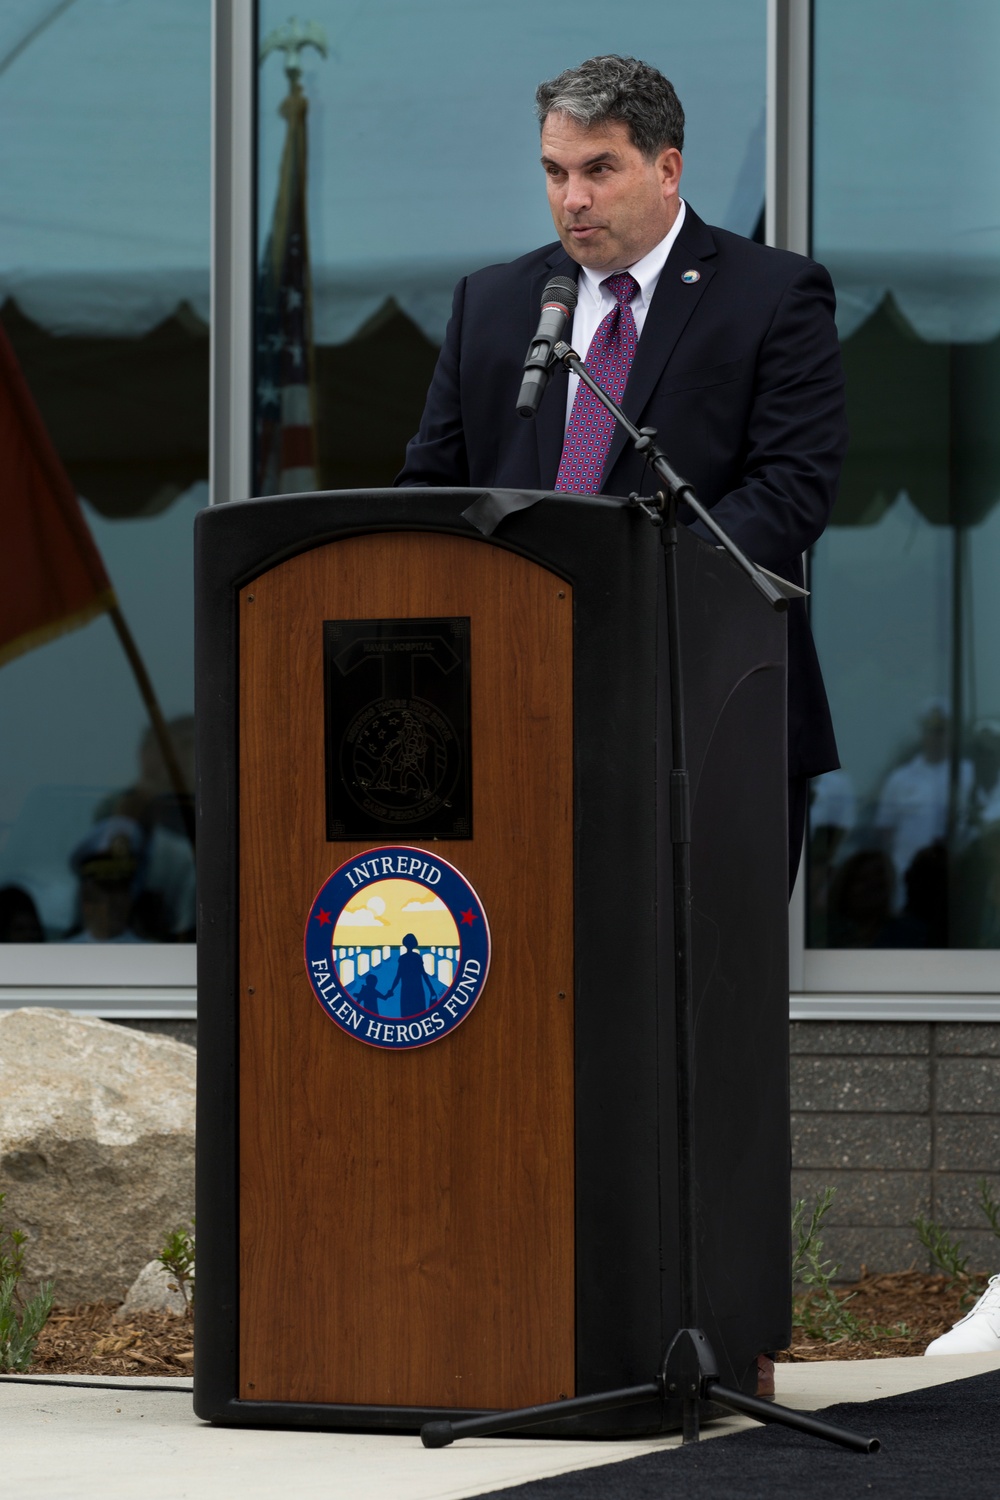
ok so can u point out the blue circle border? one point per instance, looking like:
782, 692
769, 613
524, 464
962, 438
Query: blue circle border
405, 862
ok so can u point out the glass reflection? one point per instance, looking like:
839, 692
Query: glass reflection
904, 841
104, 301
78, 747
422, 167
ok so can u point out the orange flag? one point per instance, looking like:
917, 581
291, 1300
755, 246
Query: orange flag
52, 578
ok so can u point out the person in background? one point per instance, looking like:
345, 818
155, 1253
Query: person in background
109, 864
833, 812
914, 807
985, 754
19, 921
975, 878
166, 911
860, 900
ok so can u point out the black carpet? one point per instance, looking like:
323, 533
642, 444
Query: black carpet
937, 1444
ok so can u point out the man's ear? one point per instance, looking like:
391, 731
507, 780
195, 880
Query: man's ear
670, 165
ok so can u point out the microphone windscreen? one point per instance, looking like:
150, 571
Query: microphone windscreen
561, 289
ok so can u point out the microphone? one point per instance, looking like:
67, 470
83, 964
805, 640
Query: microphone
558, 302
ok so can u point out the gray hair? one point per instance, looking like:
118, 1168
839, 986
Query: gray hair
613, 88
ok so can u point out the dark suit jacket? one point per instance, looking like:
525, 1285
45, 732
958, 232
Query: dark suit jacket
739, 372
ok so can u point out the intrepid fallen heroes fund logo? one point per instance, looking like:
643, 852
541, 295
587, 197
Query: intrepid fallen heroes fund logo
397, 947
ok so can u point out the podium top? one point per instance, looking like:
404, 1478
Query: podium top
600, 540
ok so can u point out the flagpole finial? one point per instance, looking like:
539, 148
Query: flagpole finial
292, 39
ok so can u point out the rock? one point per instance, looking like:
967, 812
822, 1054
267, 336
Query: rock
153, 1290
96, 1147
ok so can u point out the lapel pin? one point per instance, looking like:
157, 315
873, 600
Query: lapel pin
690, 277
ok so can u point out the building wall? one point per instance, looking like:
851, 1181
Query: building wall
902, 1119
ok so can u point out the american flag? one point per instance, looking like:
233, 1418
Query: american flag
286, 398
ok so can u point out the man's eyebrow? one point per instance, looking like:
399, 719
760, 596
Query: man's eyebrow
548, 161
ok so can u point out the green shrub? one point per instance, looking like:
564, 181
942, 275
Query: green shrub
947, 1254
177, 1256
820, 1311
20, 1322
989, 1206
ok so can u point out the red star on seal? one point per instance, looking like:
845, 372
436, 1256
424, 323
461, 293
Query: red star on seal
468, 917
323, 918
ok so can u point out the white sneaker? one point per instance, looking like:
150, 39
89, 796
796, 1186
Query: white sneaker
978, 1332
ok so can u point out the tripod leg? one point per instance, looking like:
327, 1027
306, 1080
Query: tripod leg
688, 1365
690, 1422
439, 1434
801, 1421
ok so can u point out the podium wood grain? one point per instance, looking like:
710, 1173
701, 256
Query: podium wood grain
406, 1219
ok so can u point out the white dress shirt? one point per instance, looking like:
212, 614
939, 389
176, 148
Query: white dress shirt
596, 301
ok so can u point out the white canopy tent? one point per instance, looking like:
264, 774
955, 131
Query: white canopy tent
105, 174
423, 149
907, 176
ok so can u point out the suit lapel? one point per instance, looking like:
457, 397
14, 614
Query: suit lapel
550, 419
673, 303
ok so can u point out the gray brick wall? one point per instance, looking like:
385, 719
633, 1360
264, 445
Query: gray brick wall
902, 1119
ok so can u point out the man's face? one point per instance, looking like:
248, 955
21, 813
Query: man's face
610, 204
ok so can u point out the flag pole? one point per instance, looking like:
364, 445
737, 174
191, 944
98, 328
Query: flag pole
286, 451
148, 693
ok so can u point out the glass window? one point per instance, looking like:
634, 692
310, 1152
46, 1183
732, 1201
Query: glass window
422, 166
104, 285
904, 844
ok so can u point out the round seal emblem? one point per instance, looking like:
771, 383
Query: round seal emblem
397, 947
400, 759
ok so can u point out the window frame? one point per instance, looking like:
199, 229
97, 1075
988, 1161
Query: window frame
829, 983
159, 980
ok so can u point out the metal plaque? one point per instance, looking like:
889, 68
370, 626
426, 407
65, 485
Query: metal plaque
398, 732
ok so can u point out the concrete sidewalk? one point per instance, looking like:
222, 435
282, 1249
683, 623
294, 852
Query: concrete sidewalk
139, 1440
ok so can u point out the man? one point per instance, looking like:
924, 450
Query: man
727, 348
915, 803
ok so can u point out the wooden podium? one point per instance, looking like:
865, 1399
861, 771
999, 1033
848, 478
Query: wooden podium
488, 1219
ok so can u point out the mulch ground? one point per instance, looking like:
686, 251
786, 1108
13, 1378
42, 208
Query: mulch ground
923, 1305
88, 1341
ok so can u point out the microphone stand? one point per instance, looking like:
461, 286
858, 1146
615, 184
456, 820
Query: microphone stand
689, 1369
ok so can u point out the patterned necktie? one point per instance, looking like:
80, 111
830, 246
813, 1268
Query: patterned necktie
591, 426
